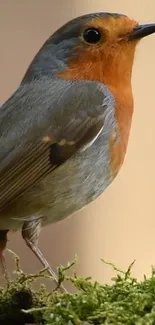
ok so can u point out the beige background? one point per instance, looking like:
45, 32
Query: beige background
120, 225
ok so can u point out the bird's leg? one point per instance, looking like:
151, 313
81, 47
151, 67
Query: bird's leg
3, 242
30, 232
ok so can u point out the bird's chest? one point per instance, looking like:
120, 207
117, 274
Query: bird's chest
123, 117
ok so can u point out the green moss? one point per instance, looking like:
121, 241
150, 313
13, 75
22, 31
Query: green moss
126, 301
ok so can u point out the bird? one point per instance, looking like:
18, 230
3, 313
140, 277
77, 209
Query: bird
64, 132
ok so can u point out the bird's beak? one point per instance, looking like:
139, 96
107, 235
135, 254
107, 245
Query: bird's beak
141, 31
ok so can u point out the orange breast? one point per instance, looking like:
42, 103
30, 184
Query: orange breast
124, 111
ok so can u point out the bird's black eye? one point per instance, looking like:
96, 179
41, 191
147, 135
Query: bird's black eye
92, 35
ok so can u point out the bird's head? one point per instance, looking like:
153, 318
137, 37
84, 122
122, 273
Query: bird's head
98, 46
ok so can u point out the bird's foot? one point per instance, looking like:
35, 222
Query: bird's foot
44, 262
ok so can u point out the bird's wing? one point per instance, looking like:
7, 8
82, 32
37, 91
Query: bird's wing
42, 125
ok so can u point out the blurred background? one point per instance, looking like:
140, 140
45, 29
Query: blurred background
120, 225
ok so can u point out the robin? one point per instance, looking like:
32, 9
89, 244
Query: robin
64, 132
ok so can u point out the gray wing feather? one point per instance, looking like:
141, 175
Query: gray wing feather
42, 113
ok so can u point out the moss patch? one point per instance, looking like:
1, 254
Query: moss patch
126, 301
